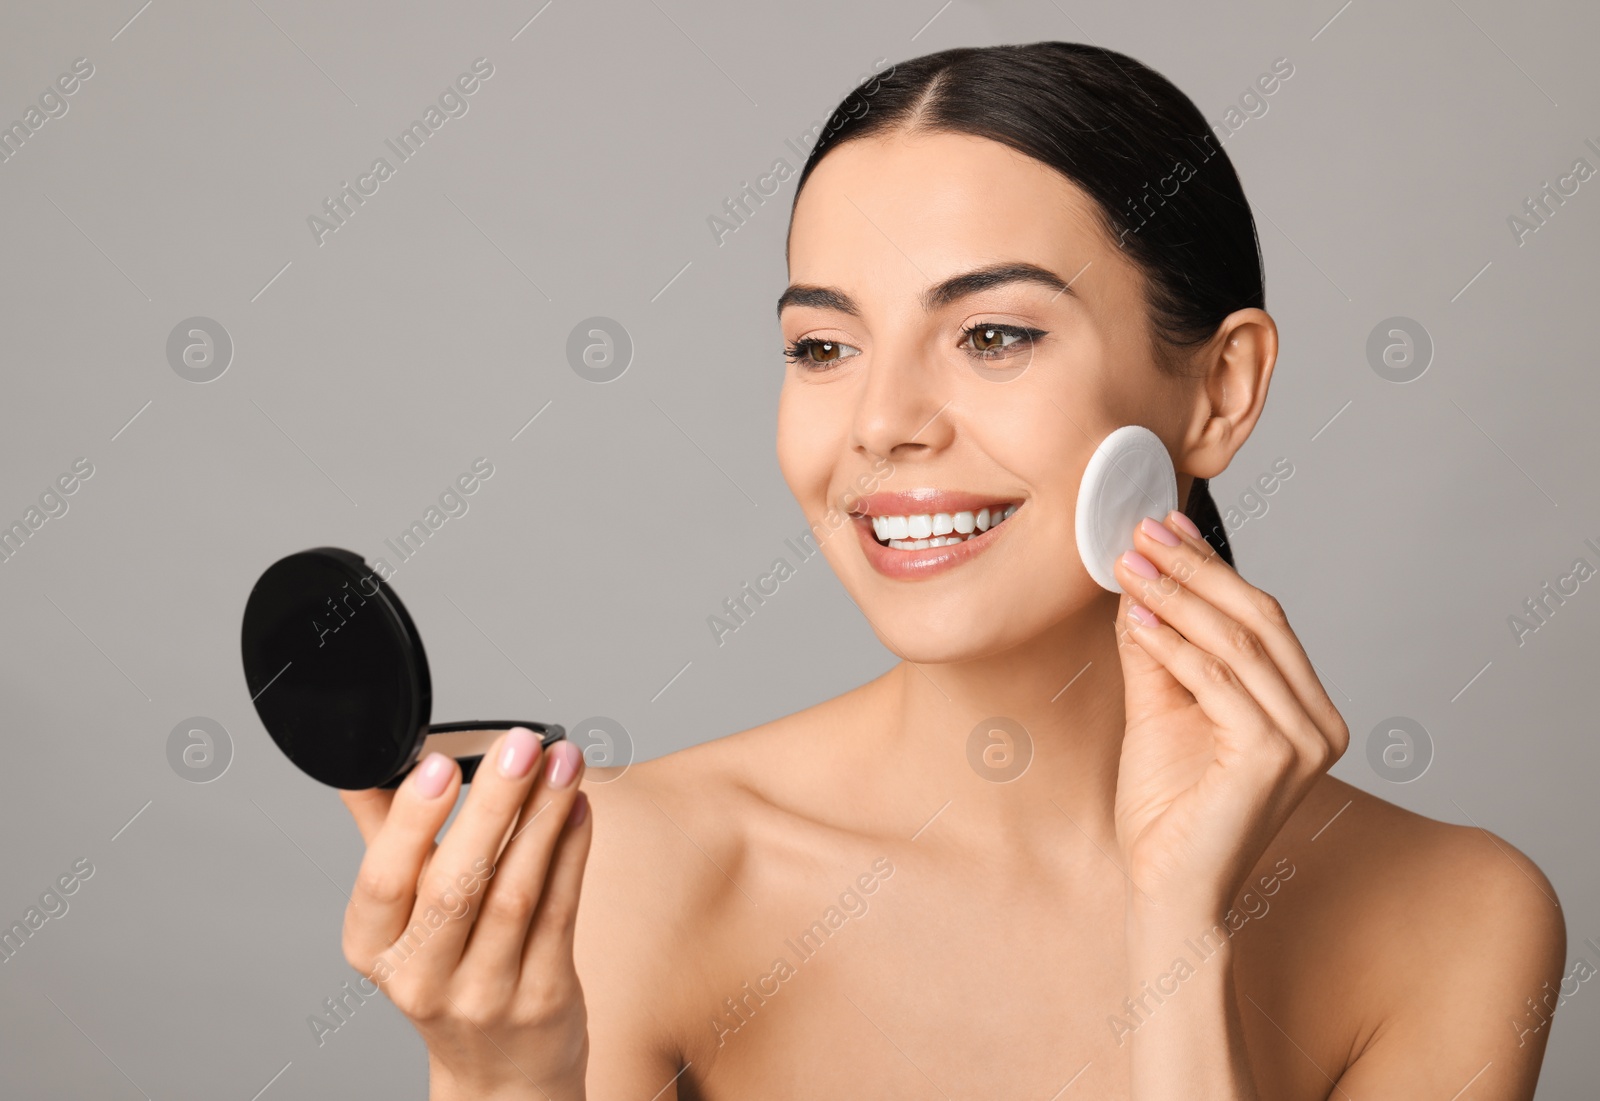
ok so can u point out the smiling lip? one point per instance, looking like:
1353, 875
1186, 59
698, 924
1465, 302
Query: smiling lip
909, 565
910, 502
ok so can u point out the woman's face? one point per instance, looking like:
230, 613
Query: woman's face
892, 409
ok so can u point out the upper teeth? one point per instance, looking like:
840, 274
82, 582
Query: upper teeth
912, 532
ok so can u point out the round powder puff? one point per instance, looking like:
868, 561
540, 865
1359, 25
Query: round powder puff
1129, 476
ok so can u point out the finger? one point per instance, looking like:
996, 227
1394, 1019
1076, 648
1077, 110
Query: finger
549, 947
385, 891
1244, 730
369, 808
1213, 632
1201, 569
451, 888
519, 881
1149, 688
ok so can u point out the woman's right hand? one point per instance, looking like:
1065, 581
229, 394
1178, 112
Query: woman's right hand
473, 944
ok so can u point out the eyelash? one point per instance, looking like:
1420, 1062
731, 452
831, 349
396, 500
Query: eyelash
1028, 336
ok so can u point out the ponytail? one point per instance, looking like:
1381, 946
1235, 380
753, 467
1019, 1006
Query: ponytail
1203, 511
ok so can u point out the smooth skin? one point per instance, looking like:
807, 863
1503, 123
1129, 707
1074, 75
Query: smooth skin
839, 904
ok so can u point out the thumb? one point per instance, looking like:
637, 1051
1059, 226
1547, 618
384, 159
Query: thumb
1149, 689
369, 808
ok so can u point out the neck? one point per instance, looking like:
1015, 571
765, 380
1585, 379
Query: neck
1052, 752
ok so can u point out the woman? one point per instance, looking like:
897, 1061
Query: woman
1076, 843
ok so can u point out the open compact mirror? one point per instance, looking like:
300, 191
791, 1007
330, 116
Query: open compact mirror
336, 671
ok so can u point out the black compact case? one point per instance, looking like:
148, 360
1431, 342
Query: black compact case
336, 670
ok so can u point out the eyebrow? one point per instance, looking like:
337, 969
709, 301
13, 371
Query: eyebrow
935, 297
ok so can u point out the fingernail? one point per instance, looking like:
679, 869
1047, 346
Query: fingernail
518, 752
1185, 523
1159, 532
1140, 565
433, 776
579, 811
1142, 614
563, 764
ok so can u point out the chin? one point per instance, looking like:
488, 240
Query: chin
959, 628
937, 653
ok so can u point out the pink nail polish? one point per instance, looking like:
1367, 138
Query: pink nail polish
1142, 614
517, 753
1159, 532
1140, 565
433, 776
563, 764
1185, 523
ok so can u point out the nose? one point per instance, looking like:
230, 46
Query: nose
903, 404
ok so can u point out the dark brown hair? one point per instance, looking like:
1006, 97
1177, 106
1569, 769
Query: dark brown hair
1120, 131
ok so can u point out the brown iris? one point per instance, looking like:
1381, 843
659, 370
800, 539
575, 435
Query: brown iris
980, 335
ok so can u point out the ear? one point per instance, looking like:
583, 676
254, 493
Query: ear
1232, 372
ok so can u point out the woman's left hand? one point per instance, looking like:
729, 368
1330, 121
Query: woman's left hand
1228, 727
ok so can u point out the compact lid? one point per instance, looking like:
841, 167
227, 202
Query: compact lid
336, 669
1129, 476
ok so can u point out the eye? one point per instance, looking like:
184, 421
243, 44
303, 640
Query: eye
817, 355
991, 341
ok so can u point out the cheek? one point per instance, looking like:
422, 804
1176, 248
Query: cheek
806, 447
1045, 444
1040, 437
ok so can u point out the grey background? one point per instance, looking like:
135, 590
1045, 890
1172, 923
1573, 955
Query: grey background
426, 332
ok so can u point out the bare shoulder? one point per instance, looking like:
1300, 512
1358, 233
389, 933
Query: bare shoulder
706, 800
1378, 861
670, 867
1436, 934
666, 832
